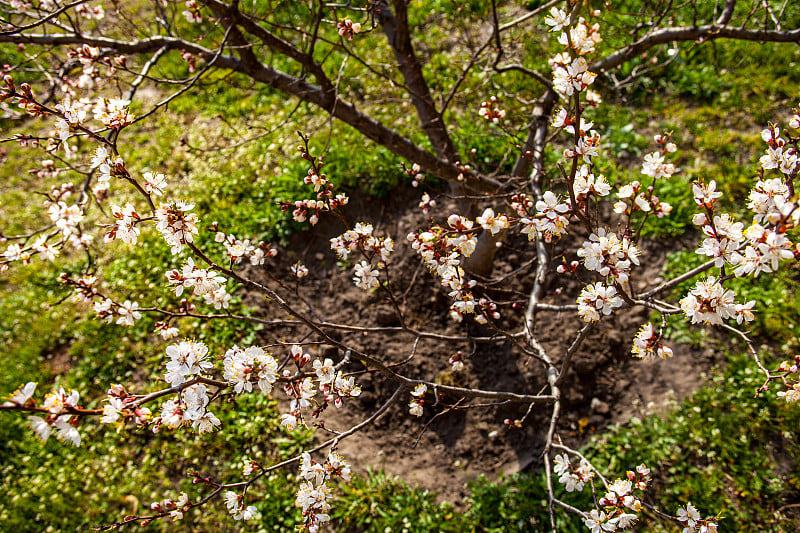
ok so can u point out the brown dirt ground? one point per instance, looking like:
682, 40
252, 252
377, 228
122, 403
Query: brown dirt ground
442, 450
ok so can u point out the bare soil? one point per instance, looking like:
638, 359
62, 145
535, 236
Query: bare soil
446, 447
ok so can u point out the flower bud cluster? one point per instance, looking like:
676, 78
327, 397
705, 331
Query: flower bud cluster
23, 99
299, 271
491, 112
415, 173
426, 204
456, 362
347, 28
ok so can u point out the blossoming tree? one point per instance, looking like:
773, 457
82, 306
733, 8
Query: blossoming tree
82, 70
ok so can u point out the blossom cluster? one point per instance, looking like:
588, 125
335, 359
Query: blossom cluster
238, 249
619, 505
176, 224
689, 516
647, 344
710, 303
243, 366
202, 281
759, 248
334, 386
634, 197
608, 255
72, 114
175, 508
236, 507
119, 408
415, 406
192, 12
188, 406
571, 73
788, 372
186, 359
442, 250
85, 290
312, 498
325, 200
549, 220
596, 299
58, 404
360, 239
572, 477
126, 228
66, 219
110, 167
588, 185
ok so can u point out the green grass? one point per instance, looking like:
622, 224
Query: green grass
725, 450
